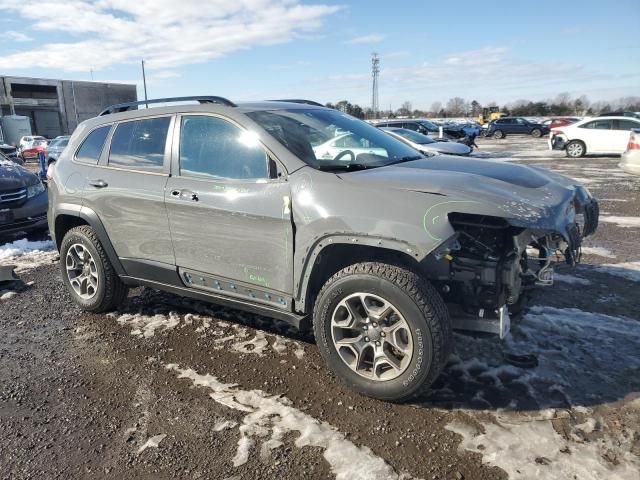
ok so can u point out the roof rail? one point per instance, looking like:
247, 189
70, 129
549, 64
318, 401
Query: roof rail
123, 107
299, 100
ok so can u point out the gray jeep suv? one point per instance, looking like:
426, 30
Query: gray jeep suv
308, 215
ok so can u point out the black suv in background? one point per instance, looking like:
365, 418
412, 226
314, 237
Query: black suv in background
504, 126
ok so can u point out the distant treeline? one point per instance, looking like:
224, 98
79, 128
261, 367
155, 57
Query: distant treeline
457, 107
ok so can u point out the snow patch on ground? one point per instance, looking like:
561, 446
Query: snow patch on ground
559, 277
599, 251
26, 254
153, 442
143, 325
146, 325
530, 448
628, 270
624, 222
272, 417
584, 362
6, 295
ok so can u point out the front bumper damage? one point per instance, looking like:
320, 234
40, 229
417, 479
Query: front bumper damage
486, 268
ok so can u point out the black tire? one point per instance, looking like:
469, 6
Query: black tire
111, 292
575, 149
536, 133
419, 303
498, 134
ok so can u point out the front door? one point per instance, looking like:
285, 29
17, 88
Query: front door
228, 210
597, 135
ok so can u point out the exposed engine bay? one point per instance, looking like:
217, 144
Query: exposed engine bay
489, 263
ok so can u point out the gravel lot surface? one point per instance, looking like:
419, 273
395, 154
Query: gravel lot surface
167, 387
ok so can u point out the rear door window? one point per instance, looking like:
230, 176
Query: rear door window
625, 124
598, 125
140, 144
91, 148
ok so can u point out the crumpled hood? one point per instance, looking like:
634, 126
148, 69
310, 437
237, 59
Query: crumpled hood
13, 176
523, 194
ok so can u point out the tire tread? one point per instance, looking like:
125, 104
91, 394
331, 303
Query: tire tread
425, 297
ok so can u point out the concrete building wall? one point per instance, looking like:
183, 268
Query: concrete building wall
56, 107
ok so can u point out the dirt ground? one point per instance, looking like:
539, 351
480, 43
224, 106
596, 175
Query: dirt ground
172, 388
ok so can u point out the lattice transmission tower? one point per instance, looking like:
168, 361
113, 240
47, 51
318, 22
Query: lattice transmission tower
375, 70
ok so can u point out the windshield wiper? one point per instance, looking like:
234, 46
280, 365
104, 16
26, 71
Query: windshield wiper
410, 158
347, 167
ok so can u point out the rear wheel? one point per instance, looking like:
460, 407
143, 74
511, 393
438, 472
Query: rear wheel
575, 149
87, 272
498, 134
383, 330
536, 132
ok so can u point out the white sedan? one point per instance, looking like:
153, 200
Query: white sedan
601, 135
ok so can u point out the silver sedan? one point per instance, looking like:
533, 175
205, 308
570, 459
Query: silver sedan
426, 144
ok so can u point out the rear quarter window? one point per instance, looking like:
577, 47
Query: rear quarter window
91, 148
140, 144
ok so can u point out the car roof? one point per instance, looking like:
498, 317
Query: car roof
241, 107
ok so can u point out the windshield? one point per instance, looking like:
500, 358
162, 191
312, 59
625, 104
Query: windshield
328, 139
430, 126
59, 142
412, 136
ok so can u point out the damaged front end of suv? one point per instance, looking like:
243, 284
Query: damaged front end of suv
490, 262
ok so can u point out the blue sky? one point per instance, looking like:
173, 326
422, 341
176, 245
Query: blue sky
255, 49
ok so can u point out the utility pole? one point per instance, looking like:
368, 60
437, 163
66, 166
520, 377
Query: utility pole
144, 82
375, 70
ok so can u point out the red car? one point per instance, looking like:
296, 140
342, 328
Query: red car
32, 152
561, 121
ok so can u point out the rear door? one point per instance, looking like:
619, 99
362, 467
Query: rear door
597, 135
229, 211
621, 131
520, 125
126, 190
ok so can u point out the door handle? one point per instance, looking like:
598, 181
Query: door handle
185, 195
98, 183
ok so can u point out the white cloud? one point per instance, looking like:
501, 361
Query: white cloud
166, 33
16, 36
372, 38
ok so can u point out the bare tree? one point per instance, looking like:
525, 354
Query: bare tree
405, 109
457, 107
435, 107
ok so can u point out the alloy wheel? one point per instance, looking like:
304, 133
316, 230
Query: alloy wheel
82, 271
574, 150
371, 336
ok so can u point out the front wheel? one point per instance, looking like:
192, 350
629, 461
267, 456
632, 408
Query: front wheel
87, 272
575, 149
383, 330
498, 134
536, 133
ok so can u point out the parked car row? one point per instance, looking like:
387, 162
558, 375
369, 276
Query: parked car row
31, 146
